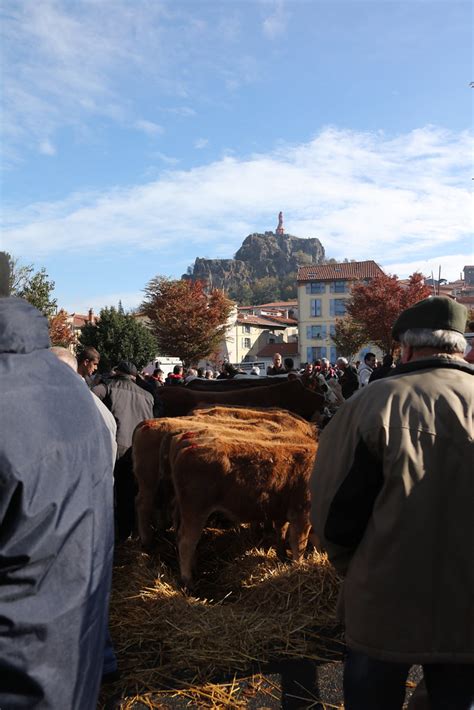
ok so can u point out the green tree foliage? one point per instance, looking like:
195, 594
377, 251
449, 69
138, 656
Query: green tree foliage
349, 336
34, 287
265, 290
188, 321
119, 336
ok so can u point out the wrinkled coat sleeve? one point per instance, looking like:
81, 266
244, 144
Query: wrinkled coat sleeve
346, 480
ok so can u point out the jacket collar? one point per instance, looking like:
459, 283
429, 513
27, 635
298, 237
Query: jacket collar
436, 361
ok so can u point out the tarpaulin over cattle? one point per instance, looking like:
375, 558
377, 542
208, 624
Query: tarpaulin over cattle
56, 523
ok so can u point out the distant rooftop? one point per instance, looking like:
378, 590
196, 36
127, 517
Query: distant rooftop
258, 320
353, 270
285, 350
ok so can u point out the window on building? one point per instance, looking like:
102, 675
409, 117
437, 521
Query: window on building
316, 332
315, 353
271, 340
337, 306
316, 307
316, 287
332, 330
247, 343
339, 287
332, 354
246, 328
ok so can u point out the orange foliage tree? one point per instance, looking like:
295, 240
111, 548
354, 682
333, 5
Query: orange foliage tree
187, 321
60, 331
375, 306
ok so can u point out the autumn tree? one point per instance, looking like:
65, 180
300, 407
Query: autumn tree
119, 336
60, 331
349, 336
375, 306
188, 321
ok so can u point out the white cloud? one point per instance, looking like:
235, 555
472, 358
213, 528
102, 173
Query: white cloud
201, 143
148, 127
451, 266
401, 200
46, 148
274, 25
168, 159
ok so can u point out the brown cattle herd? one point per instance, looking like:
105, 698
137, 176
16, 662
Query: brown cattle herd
252, 465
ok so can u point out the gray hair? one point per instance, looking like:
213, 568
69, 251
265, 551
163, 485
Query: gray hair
342, 360
446, 341
65, 355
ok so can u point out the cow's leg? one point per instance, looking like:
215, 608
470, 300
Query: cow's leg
299, 533
281, 529
147, 474
190, 530
314, 539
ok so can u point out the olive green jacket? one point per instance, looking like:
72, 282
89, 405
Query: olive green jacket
392, 502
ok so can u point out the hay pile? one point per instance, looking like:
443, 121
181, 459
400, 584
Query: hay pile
251, 609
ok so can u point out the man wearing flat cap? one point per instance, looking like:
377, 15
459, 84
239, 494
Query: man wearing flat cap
130, 404
392, 502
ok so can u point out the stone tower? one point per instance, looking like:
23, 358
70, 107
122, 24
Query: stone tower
280, 230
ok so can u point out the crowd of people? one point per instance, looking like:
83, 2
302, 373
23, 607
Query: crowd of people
392, 499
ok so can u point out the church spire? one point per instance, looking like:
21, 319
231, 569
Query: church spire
280, 229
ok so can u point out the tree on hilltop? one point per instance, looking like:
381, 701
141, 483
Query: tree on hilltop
119, 336
188, 321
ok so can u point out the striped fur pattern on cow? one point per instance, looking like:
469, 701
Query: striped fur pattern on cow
251, 465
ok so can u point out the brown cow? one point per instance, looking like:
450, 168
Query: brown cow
153, 439
251, 466
291, 395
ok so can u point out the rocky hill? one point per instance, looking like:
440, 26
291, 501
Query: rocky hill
260, 256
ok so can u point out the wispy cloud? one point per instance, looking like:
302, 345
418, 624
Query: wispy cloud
201, 143
398, 200
47, 148
274, 25
168, 159
149, 127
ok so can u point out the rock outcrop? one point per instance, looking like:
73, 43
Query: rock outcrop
261, 255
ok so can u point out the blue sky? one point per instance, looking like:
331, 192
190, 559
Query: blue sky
137, 135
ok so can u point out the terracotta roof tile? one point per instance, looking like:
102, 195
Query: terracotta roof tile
258, 320
285, 349
278, 304
334, 272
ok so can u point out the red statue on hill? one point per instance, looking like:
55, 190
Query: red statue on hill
279, 229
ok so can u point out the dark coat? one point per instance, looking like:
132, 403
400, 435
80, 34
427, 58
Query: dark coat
130, 405
56, 523
349, 381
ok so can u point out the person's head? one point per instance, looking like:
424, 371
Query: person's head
387, 361
308, 368
209, 375
370, 360
230, 370
432, 326
317, 363
200, 372
255, 370
342, 363
324, 363
289, 363
65, 356
277, 360
158, 374
470, 327
125, 367
191, 372
87, 361
178, 370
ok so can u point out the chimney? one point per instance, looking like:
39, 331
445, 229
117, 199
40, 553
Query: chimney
90, 316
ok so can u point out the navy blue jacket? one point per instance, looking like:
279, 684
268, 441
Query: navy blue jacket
56, 523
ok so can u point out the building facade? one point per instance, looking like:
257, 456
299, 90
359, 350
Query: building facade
323, 291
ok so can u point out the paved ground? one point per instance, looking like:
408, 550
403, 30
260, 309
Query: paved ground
293, 685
